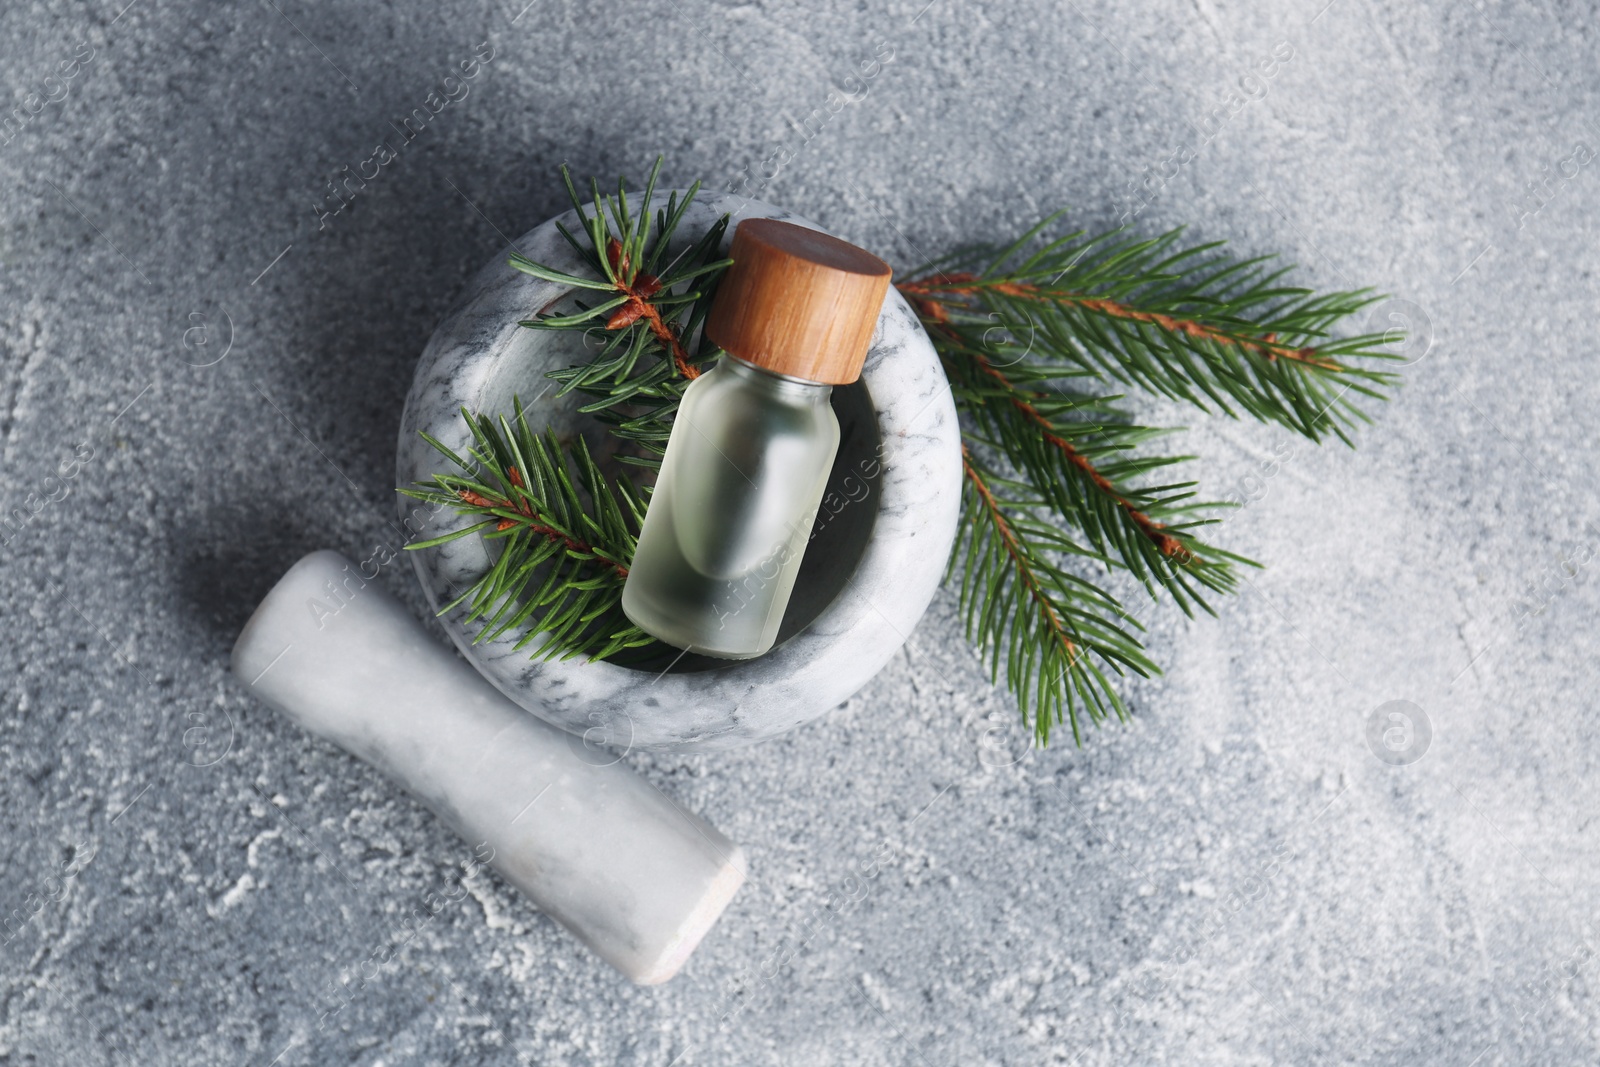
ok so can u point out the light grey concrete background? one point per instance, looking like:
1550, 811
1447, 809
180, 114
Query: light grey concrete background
1234, 878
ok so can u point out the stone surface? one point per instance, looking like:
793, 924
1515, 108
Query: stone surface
1234, 878
874, 562
593, 845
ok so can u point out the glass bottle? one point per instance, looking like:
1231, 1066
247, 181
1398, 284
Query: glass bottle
753, 441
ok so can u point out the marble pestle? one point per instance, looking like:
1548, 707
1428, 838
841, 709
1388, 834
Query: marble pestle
600, 850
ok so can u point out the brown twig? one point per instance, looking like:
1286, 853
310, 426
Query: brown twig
1008, 538
529, 521
925, 290
1167, 544
643, 287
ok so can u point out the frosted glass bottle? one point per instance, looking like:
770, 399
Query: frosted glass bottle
743, 477
753, 441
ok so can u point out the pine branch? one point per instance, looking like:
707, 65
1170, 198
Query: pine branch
634, 387
558, 522
623, 250
1049, 628
1027, 339
1188, 323
1077, 451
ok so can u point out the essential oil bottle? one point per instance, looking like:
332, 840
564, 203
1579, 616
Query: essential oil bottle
753, 442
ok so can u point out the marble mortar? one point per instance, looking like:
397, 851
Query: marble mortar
875, 560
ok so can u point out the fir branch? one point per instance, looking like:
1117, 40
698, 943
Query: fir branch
1028, 336
622, 253
579, 557
565, 536
1049, 628
1079, 453
1188, 323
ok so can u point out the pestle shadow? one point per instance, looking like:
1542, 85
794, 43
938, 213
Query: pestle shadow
223, 578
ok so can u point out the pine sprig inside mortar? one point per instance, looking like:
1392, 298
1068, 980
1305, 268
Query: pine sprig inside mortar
560, 521
1038, 339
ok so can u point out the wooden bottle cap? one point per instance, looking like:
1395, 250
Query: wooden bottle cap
798, 302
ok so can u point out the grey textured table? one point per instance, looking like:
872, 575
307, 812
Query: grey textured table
1234, 878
